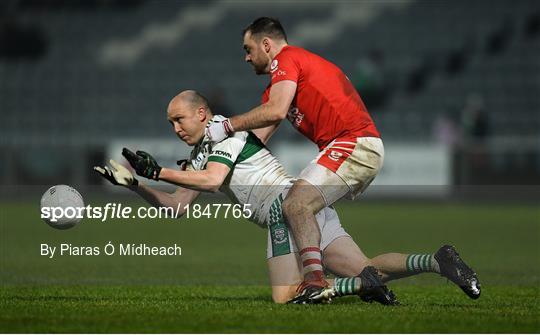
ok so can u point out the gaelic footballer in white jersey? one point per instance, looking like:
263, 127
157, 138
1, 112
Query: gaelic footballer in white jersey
257, 178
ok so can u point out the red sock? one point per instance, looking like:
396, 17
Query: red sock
312, 263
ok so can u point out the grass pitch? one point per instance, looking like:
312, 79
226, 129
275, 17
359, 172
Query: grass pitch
173, 309
219, 283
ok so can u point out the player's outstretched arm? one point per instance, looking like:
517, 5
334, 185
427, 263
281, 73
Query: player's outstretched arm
208, 180
270, 113
265, 115
119, 175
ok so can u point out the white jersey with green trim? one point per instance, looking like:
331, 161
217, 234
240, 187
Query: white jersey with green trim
256, 177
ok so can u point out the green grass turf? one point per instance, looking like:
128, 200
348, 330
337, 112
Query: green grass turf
170, 309
219, 283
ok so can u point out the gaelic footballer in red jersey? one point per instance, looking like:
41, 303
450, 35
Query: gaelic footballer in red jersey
317, 97
326, 105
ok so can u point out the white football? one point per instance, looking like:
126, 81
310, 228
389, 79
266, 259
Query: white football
62, 207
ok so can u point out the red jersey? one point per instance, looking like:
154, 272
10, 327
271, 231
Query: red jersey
326, 105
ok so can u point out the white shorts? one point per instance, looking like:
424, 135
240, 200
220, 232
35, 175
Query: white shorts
280, 239
345, 167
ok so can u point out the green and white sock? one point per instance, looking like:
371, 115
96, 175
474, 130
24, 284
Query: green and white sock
347, 286
422, 263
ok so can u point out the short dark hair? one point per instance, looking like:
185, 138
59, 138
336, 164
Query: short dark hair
266, 26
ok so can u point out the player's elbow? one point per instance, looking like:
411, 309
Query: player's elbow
277, 113
280, 115
212, 181
214, 184
209, 187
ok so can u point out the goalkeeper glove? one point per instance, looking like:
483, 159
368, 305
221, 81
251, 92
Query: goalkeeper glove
144, 164
117, 175
217, 131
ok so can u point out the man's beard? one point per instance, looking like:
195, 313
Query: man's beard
259, 69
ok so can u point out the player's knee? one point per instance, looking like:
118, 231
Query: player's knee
366, 262
290, 208
280, 298
293, 206
282, 294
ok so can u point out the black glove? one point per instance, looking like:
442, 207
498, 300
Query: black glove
144, 164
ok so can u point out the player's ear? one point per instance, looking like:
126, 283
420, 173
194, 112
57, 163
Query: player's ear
266, 44
201, 114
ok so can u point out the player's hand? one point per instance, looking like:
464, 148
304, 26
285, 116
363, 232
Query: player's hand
117, 174
217, 131
144, 164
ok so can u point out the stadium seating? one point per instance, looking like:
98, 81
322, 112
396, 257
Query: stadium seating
72, 97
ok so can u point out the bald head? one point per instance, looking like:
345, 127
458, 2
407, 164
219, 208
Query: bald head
188, 113
191, 99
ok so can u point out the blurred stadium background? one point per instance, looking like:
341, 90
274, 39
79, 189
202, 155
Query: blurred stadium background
452, 85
